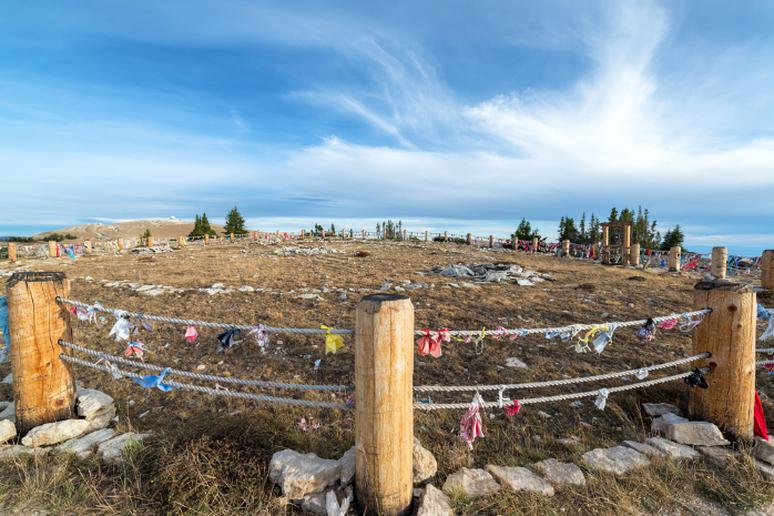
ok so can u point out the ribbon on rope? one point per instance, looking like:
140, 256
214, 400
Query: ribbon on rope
151, 381
4, 351
333, 342
471, 425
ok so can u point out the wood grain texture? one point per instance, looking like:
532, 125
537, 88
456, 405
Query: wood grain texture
12, 251
719, 262
767, 269
729, 334
52, 248
565, 248
384, 416
627, 245
634, 255
43, 387
674, 259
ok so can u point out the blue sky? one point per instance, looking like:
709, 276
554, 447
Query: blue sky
464, 115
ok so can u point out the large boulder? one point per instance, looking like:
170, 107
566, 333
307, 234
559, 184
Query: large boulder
55, 433
617, 460
696, 433
425, 465
520, 479
7, 430
84, 446
298, 474
560, 473
470, 483
433, 502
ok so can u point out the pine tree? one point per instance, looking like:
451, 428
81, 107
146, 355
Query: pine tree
197, 229
206, 228
672, 238
583, 235
613, 215
524, 231
235, 223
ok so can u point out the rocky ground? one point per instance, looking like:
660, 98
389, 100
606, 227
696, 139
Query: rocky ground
213, 455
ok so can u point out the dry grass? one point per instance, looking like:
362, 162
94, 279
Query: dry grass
209, 456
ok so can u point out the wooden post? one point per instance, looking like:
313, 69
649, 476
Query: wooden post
206, 239
12, 251
384, 414
231, 237
565, 248
674, 259
149, 241
767, 269
363, 234
728, 332
469, 239
719, 262
181, 241
491, 241
427, 235
627, 244
605, 244
323, 234
535, 244
43, 388
52, 247
404, 237
445, 236
634, 255
88, 247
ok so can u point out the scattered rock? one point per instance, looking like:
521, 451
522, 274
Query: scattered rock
659, 424
425, 465
471, 483
766, 470
645, 449
82, 447
8, 378
672, 449
696, 433
112, 450
55, 433
764, 450
310, 297
92, 403
492, 273
520, 479
433, 502
717, 455
516, 363
617, 460
298, 474
659, 409
7, 430
13, 451
314, 503
347, 463
560, 473
9, 413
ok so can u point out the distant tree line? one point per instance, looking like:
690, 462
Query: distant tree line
390, 230
644, 230
201, 227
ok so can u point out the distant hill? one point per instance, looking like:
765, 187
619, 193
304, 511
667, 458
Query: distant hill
159, 228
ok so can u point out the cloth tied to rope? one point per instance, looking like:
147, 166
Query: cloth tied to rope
151, 381
471, 425
333, 342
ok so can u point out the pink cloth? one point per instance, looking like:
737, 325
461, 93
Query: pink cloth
191, 334
471, 426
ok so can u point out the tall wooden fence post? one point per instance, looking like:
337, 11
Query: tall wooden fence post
469, 239
427, 235
491, 241
634, 255
384, 413
728, 332
767, 269
535, 244
719, 262
43, 387
674, 259
445, 236
565, 248
52, 249
12, 251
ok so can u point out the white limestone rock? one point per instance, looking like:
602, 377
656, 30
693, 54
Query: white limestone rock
9, 413
471, 483
314, 503
334, 507
84, 446
644, 448
659, 409
92, 403
516, 363
298, 474
696, 433
55, 433
764, 450
717, 455
560, 473
7, 430
347, 463
520, 479
112, 450
672, 449
659, 424
103, 420
433, 502
425, 465
13, 451
766, 470
617, 460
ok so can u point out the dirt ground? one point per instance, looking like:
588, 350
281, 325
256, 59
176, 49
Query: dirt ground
209, 456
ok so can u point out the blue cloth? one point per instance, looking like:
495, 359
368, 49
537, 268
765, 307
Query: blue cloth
5, 349
151, 381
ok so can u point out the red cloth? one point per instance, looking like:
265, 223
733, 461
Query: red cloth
759, 425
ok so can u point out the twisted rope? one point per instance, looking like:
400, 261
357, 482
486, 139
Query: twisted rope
764, 350
202, 324
210, 391
556, 383
205, 377
549, 399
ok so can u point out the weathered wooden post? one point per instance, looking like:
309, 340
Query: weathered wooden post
719, 262
605, 243
206, 239
363, 234
535, 243
674, 259
445, 236
88, 247
627, 244
12, 251
767, 269
52, 248
149, 241
43, 388
728, 332
491, 241
384, 417
323, 234
231, 237
427, 235
469, 239
634, 255
565, 248
181, 241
